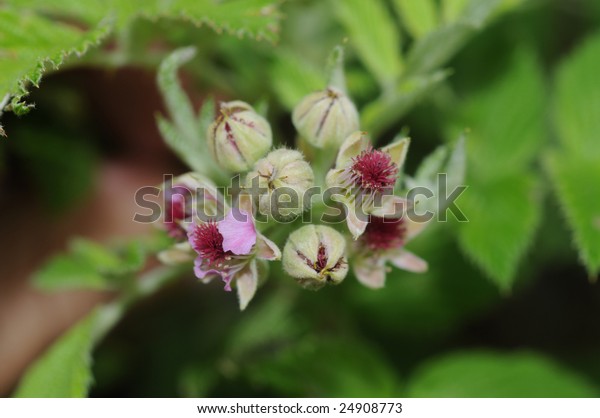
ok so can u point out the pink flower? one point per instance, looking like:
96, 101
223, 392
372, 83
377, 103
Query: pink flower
366, 177
229, 249
383, 241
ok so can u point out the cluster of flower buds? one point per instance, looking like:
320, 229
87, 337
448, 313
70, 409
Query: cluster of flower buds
226, 240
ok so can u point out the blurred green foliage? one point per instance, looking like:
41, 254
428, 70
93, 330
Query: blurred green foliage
479, 373
526, 93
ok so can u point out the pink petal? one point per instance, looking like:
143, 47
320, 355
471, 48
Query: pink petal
201, 273
370, 272
356, 225
207, 275
246, 283
227, 280
406, 260
267, 249
239, 234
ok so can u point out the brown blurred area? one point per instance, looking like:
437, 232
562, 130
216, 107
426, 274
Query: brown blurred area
124, 103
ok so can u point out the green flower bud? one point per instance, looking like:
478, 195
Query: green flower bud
315, 255
282, 178
239, 136
325, 118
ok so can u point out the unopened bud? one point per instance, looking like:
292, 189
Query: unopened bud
185, 197
281, 180
315, 255
239, 136
325, 118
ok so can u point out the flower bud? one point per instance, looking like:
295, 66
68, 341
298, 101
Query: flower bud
185, 197
315, 255
239, 136
281, 180
325, 118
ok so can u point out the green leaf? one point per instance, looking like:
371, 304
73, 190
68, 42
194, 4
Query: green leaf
187, 135
373, 35
507, 119
327, 367
31, 45
89, 265
482, 374
64, 371
575, 170
294, 77
456, 166
453, 9
66, 272
503, 215
503, 209
435, 49
577, 101
441, 161
576, 182
258, 19
178, 104
419, 17
382, 113
431, 165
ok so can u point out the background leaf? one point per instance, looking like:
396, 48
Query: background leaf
578, 100
255, 18
33, 42
419, 17
380, 114
503, 215
506, 135
30, 45
576, 182
506, 120
373, 35
486, 374
187, 135
327, 367
434, 50
294, 77
575, 169
89, 265
64, 371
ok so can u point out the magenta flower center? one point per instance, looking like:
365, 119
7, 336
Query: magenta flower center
384, 235
207, 241
374, 170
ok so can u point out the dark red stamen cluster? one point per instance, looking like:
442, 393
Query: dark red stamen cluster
321, 258
374, 170
384, 234
207, 241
